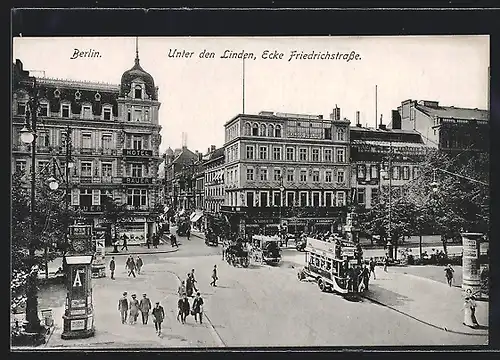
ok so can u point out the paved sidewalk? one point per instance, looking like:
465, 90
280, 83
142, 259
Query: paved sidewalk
426, 300
160, 285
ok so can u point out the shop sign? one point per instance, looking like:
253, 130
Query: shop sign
91, 208
137, 180
137, 153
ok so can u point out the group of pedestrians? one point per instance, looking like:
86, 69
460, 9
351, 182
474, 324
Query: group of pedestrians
131, 266
186, 289
130, 309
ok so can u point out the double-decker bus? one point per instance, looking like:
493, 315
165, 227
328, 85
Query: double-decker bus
332, 265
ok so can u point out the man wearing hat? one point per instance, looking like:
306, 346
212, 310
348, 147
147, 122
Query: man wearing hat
158, 316
145, 307
123, 307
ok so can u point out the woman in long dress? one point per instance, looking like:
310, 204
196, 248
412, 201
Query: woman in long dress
134, 309
470, 310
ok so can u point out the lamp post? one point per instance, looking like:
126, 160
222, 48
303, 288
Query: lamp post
68, 164
28, 136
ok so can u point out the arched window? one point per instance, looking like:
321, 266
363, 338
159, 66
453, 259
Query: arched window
262, 130
138, 92
271, 130
278, 131
255, 130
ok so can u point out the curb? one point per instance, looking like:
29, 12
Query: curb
443, 328
141, 252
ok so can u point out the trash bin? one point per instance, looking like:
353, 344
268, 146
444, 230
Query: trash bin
47, 315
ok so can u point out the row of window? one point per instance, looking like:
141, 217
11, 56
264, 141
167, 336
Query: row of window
89, 197
367, 172
276, 198
214, 191
133, 113
316, 155
269, 130
315, 176
88, 168
132, 141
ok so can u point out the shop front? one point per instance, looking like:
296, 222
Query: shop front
250, 221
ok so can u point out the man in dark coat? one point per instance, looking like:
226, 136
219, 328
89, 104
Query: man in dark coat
112, 267
123, 307
130, 265
158, 317
125, 243
184, 308
145, 307
198, 307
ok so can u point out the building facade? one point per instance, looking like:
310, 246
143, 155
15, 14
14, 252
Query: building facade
214, 181
447, 128
371, 150
288, 169
180, 167
115, 136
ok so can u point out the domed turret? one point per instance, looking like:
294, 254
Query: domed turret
138, 72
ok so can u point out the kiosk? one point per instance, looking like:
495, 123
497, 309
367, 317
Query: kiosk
78, 318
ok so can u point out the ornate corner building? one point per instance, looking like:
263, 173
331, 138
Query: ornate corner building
115, 136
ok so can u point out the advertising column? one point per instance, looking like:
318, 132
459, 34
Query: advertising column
470, 262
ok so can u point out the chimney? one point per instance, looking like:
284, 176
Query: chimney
382, 126
212, 148
335, 115
358, 124
396, 120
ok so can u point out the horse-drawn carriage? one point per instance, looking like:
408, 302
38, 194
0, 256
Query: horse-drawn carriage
237, 254
268, 247
182, 227
211, 238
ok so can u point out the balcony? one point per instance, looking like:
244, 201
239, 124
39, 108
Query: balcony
139, 208
104, 151
96, 180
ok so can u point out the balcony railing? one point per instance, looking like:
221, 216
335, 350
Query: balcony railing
96, 180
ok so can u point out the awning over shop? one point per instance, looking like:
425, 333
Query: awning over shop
195, 216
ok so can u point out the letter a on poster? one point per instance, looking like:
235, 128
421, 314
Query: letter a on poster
77, 282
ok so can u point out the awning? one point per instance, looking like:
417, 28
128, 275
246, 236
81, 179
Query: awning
196, 217
166, 209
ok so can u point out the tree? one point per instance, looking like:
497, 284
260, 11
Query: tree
447, 197
49, 229
115, 214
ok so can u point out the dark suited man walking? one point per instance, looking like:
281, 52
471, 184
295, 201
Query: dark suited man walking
145, 307
112, 267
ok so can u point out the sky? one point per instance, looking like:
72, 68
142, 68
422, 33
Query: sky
198, 95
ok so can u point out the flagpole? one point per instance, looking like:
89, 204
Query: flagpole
243, 87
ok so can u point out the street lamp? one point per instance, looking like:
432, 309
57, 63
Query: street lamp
28, 136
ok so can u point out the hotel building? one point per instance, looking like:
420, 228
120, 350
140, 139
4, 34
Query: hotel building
115, 136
